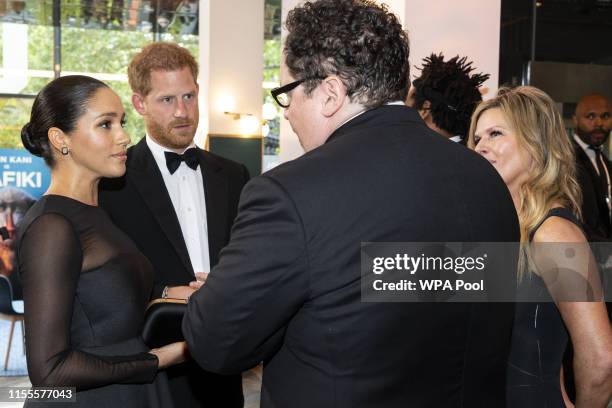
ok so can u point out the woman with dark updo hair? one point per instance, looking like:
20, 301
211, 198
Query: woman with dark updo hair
85, 284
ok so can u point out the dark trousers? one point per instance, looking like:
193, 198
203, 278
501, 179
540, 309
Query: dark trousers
193, 387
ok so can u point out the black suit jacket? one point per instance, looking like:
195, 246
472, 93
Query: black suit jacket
139, 204
595, 212
289, 280
595, 218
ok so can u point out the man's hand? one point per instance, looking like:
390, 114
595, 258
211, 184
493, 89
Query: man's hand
183, 292
200, 280
171, 354
180, 292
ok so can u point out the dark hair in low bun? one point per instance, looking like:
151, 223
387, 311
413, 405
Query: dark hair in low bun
26, 139
59, 104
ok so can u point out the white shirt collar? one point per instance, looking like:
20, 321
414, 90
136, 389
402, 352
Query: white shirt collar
580, 142
365, 110
351, 118
186, 192
456, 138
589, 152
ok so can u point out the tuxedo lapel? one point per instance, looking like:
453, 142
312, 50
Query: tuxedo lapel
216, 192
584, 161
604, 193
148, 181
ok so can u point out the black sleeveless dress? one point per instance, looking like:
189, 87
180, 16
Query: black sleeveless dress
539, 340
85, 289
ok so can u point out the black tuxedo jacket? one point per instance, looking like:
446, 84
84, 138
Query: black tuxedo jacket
289, 280
595, 212
139, 204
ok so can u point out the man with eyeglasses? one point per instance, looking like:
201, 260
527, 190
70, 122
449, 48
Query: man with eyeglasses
289, 282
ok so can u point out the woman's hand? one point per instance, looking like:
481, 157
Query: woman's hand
171, 354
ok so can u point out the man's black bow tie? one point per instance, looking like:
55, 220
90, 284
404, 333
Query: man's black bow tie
173, 160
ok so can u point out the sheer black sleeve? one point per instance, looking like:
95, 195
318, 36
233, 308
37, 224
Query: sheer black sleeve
50, 262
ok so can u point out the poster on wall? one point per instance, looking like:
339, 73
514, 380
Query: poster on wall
23, 180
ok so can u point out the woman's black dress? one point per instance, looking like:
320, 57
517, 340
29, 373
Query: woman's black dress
85, 290
539, 340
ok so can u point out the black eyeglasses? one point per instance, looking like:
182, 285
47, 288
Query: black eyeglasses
281, 94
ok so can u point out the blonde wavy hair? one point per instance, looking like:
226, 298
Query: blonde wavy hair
538, 126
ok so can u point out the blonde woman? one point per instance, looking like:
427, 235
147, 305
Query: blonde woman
521, 133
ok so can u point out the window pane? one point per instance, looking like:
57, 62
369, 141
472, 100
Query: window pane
271, 74
191, 42
98, 38
100, 51
146, 16
27, 62
14, 113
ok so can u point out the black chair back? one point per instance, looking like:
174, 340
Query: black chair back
6, 296
4, 233
17, 290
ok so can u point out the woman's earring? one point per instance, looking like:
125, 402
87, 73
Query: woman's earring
65, 150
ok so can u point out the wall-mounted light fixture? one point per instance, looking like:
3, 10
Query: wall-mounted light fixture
249, 124
226, 103
236, 115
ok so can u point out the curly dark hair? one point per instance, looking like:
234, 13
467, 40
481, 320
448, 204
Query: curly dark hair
358, 40
451, 91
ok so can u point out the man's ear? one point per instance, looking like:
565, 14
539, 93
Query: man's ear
424, 110
139, 104
575, 120
58, 139
334, 93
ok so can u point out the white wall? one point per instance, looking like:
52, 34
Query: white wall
231, 62
466, 28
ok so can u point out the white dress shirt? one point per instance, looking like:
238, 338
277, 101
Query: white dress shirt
186, 190
365, 110
589, 152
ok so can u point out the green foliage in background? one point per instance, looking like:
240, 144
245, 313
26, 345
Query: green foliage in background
272, 59
14, 113
84, 51
271, 73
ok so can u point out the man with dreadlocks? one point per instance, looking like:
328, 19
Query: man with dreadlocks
445, 95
